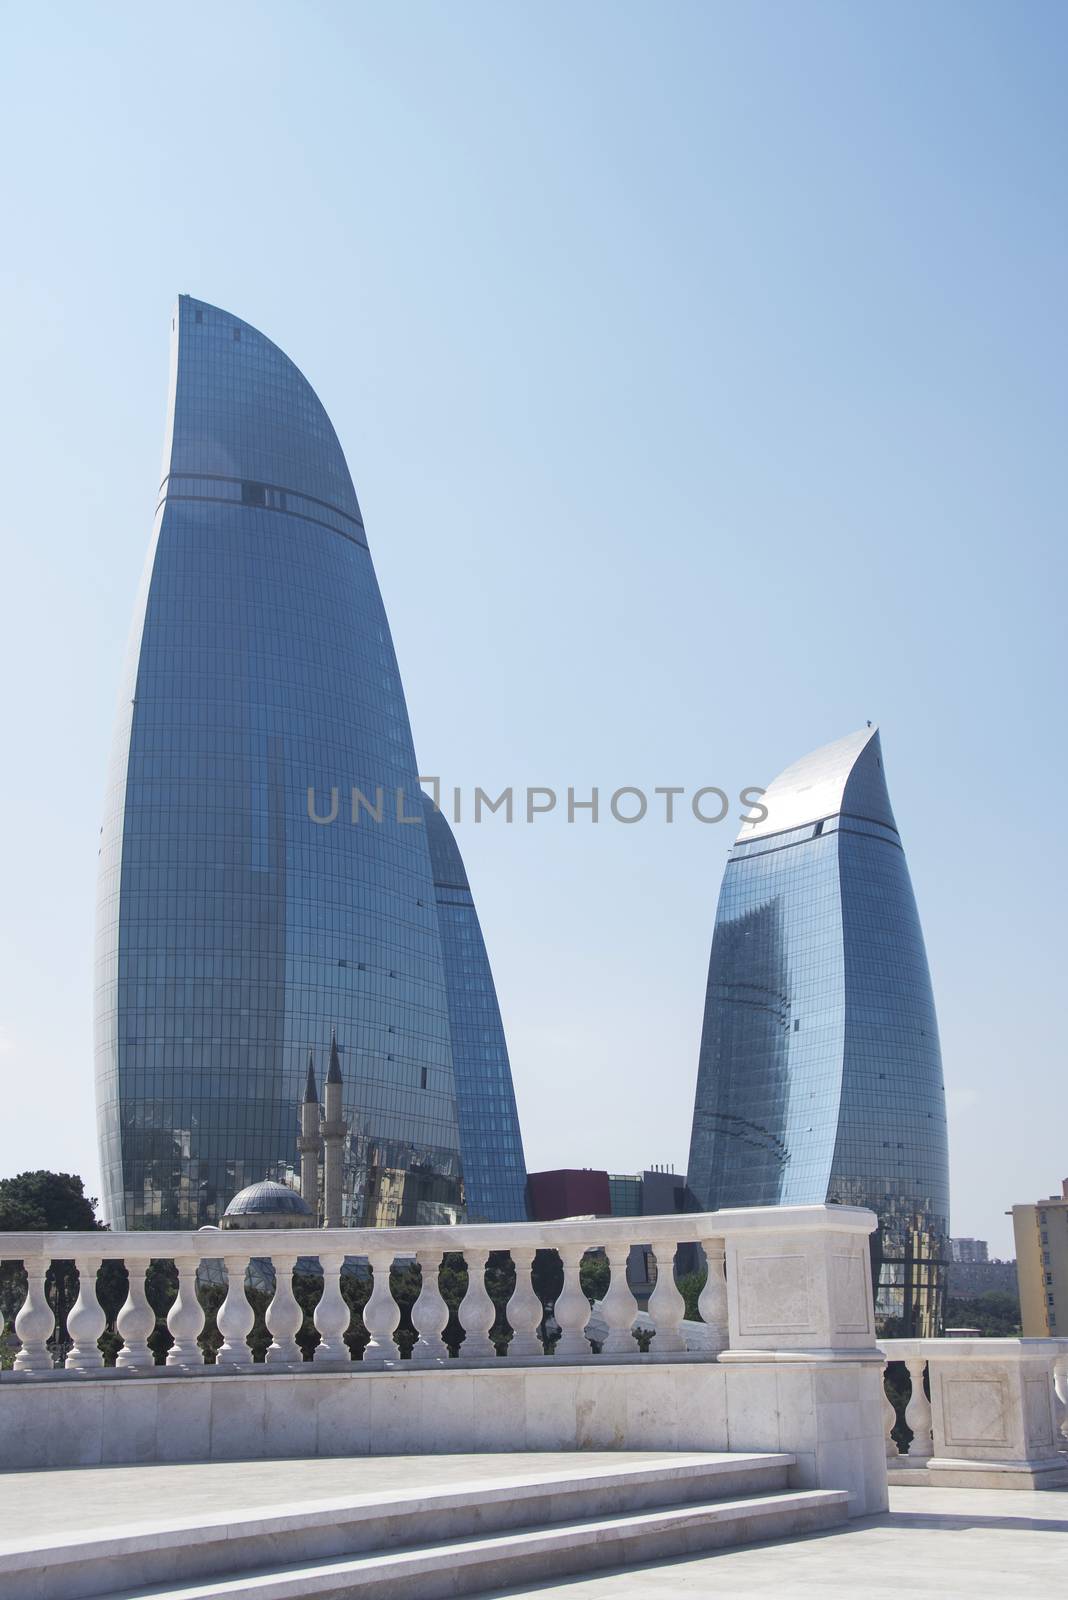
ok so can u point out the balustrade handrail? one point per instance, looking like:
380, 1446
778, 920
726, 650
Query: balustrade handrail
979, 1348
210, 1244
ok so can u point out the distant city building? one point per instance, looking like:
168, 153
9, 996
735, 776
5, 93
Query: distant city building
265, 874
568, 1192
663, 1192
1041, 1233
820, 1074
624, 1194
961, 1250
966, 1280
587, 1191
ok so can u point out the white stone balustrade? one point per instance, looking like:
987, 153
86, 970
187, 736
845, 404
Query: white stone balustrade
783, 1278
992, 1419
784, 1358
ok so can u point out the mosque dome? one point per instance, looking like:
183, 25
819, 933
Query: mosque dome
268, 1205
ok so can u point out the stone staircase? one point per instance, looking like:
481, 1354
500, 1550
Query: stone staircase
425, 1543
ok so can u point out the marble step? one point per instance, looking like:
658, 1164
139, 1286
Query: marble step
196, 1548
528, 1555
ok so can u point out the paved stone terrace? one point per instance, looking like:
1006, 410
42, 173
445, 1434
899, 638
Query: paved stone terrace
45, 1503
932, 1545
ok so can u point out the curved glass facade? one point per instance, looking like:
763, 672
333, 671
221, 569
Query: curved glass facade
235, 932
820, 1073
495, 1172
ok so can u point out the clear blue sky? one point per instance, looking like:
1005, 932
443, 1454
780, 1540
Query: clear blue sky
702, 373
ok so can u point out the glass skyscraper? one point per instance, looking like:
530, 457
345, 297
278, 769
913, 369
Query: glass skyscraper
248, 906
820, 1073
494, 1169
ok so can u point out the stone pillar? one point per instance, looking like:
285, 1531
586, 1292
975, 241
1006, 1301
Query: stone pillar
799, 1297
334, 1130
993, 1405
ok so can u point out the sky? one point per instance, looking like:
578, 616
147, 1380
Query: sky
702, 373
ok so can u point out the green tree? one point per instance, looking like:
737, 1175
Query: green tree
47, 1202
996, 1315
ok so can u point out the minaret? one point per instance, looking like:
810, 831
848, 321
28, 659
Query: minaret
334, 1131
309, 1141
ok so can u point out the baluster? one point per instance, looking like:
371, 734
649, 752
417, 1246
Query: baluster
35, 1323
380, 1314
1060, 1389
477, 1311
666, 1305
524, 1310
890, 1419
918, 1414
86, 1320
236, 1315
284, 1316
618, 1306
186, 1317
430, 1314
331, 1315
135, 1321
572, 1310
712, 1301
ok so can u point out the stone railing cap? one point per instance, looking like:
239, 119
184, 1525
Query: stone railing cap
287, 1243
973, 1349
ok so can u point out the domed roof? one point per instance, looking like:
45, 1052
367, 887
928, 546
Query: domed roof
267, 1197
